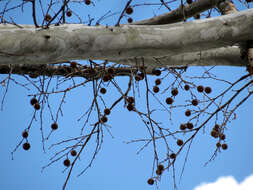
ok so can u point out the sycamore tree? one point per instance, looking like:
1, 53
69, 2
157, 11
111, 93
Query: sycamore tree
168, 64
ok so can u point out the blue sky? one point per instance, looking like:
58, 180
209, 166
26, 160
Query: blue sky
117, 165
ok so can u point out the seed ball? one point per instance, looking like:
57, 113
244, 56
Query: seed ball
129, 20
156, 72
48, 17
156, 89
197, 16
107, 111
200, 88
186, 87
182, 127
104, 119
224, 146
180, 142
189, 1
195, 102
150, 181
160, 167
26, 146
130, 100
218, 145
208, 90
87, 2
69, 13
130, 107
106, 78
110, 71
189, 125
216, 127
33, 101
54, 126
129, 10
169, 100
158, 172
222, 137
173, 156
73, 64
158, 81
73, 153
188, 113
174, 92
102, 90
214, 134
36, 106
66, 162
25, 134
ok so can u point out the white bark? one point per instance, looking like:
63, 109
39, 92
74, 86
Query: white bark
76, 42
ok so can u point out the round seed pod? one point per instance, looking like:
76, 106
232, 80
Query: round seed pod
173, 156
180, 142
107, 111
36, 106
208, 90
189, 125
174, 92
214, 134
26, 146
182, 127
104, 119
186, 87
102, 90
87, 2
54, 126
200, 88
69, 13
33, 101
156, 72
130, 107
195, 102
66, 162
224, 146
150, 181
130, 100
188, 113
159, 172
156, 89
73, 64
129, 20
222, 136
47, 17
160, 167
25, 134
158, 82
169, 100
129, 10
73, 153
218, 145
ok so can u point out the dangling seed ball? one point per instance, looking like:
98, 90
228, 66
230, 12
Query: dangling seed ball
158, 172
73, 64
69, 13
180, 142
129, 10
186, 87
25, 134
222, 137
129, 20
104, 119
26, 146
188, 113
216, 127
102, 90
47, 17
130, 107
174, 92
110, 71
189, 125
173, 156
224, 146
169, 100
156, 89
208, 90
150, 181
160, 167
106, 78
36, 106
73, 153
107, 111
182, 127
87, 2
195, 102
200, 88
214, 134
156, 72
54, 126
33, 101
218, 145
130, 100
66, 162
158, 82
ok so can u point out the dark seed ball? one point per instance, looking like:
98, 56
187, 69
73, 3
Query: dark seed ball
200, 88
73, 64
150, 181
106, 78
26, 146
36, 106
160, 167
189, 125
214, 134
73, 153
173, 156
129, 20
87, 2
130, 100
216, 127
182, 126
158, 81
169, 100
107, 111
156, 89
222, 136
110, 71
33, 101
208, 90
130, 107
66, 162
218, 145
195, 102
174, 92
69, 13
186, 87
180, 142
189, 1
25, 134
102, 90
159, 172
224, 146
54, 126
129, 10
104, 119
156, 72
188, 113
48, 17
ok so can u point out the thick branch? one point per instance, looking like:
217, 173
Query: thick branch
77, 42
181, 13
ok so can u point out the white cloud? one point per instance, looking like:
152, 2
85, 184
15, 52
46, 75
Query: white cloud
229, 183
